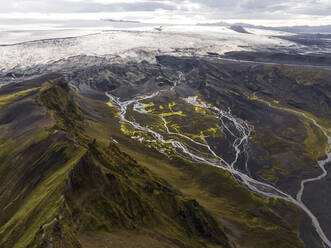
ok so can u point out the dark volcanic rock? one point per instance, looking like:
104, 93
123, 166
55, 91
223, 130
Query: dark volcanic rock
281, 58
239, 29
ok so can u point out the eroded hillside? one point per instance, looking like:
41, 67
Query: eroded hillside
71, 176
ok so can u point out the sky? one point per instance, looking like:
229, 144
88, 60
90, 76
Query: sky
258, 12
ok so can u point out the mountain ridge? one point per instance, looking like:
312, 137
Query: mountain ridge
87, 167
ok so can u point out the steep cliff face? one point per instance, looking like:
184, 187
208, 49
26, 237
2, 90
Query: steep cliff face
58, 182
108, 191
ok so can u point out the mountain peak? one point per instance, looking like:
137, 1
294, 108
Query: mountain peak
239, 29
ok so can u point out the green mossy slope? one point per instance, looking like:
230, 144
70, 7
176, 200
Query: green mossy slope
59, 182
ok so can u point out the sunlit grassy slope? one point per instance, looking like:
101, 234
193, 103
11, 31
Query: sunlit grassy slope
61, 182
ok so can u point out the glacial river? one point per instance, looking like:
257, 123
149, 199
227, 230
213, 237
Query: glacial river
240, 131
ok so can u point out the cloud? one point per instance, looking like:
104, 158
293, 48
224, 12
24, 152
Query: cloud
262, 7
172, 10
78, 6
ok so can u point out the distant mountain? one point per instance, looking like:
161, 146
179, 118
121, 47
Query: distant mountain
291, 29
296, 29
113, 20
215, 24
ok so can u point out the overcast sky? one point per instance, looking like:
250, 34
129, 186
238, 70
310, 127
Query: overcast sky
265, 12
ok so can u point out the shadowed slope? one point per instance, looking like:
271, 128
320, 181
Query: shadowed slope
58, 182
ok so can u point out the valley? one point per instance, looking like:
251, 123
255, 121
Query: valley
172, 146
